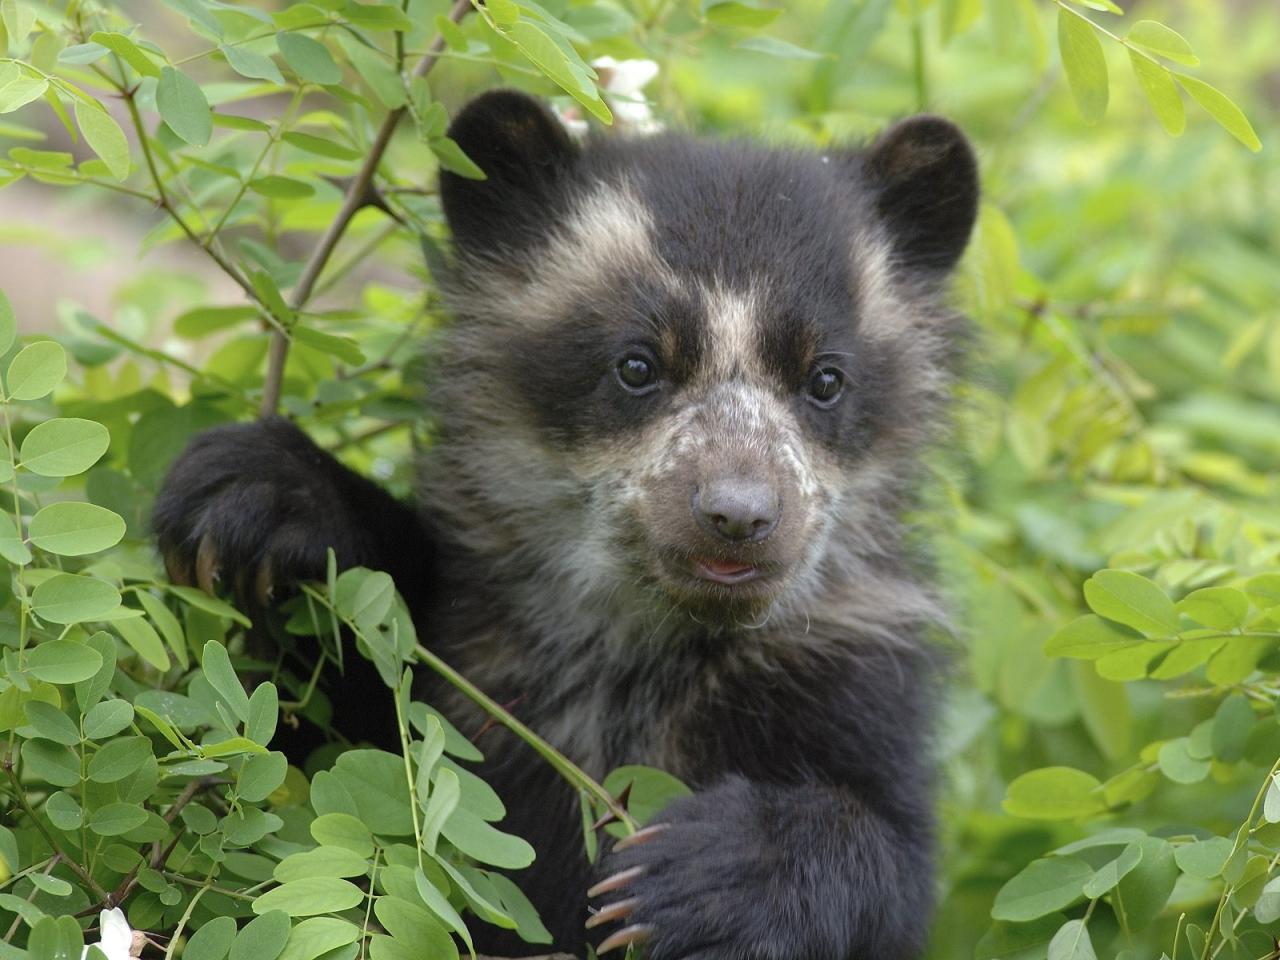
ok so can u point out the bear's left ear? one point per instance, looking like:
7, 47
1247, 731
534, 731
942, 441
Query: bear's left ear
925, 178
526, 156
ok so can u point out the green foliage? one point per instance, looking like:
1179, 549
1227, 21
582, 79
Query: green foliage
1106, 523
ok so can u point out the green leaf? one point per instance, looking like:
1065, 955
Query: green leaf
1042, 887
215, 664
1232, 724
438, 904
104, 135
324, 861
781, 49
1230, 117
12, 546
51, 762
18, 18
310, 59
265, 287
55, 886
144, 640
409, 922
164, 621
504, 12
72, 529
211, 941
1177, 763
310, 896
1161, 40
1089, 638
648, 790
8, 324
1203, 859
1084, 63
1133, 600
343, 830
71, 598
1107, 876
36, 370
452, 158
1072, 942
318, 937
320, 146
118, 759
51, 723
183, 107
203, 601
63, 811
107, 719
1271, 803
261, 775
249, 63
341, 348
375, 780
1264, 590
64, 446
285, 188
203, 321
19, 88
1221, 608
263, 937
1267, 909
439, 807
382, 16
264, 713
128, 51
1162, 93
385, 82
1054, 793
748, 16
554, 63
63, 661
117, 818
483, 842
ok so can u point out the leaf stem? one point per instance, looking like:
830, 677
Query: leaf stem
569, 770
21, 796
354, 199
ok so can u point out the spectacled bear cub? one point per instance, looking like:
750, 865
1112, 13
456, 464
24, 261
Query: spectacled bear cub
678, 416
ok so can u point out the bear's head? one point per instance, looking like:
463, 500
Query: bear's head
692, 375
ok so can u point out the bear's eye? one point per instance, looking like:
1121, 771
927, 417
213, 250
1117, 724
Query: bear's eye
825, 386
637, 373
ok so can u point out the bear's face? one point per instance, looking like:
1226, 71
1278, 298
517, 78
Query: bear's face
704, 361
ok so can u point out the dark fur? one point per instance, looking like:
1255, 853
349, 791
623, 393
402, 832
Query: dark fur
805, 737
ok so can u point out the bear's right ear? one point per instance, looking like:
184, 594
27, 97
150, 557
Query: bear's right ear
526, 155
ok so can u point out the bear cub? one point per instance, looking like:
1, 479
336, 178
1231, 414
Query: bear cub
678, 415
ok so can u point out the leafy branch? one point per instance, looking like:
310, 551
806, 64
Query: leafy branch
1148, 43
358, 194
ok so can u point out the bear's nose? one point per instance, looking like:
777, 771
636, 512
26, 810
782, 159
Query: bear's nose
737, 509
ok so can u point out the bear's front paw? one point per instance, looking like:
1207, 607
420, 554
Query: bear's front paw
700, 882
250, 506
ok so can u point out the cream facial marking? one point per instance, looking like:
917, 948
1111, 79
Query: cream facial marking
732, 320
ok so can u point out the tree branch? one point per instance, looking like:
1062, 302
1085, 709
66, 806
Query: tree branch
355, 198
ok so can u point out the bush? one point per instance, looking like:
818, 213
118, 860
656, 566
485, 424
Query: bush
1106, 520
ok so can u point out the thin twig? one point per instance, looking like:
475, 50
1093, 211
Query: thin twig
355, 198
84, 875
166, 203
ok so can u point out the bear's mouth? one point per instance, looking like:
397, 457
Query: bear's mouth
725, 572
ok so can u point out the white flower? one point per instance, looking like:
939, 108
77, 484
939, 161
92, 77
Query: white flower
622, 82
118, 941
625, 78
